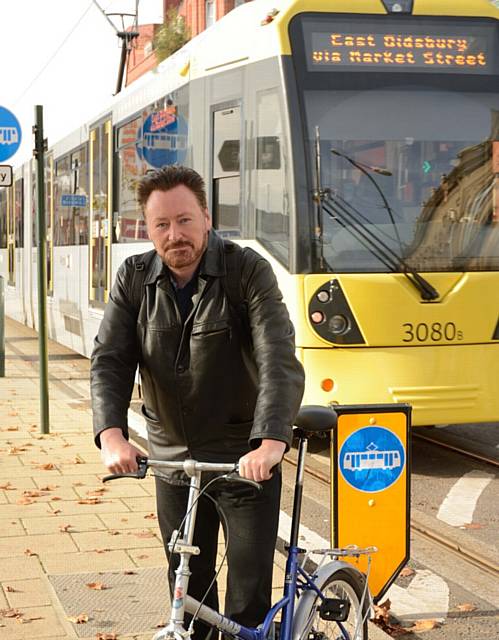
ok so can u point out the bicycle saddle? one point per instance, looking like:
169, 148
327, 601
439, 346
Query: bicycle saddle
316, 419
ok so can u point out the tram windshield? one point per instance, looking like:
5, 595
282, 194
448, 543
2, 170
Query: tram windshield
435, 209
409, 160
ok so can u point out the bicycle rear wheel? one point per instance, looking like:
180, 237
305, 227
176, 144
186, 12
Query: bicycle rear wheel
344, 585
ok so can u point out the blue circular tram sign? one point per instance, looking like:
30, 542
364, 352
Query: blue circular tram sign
163, 138
371, 459
10, 134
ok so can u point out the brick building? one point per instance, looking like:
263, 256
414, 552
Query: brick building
198, 15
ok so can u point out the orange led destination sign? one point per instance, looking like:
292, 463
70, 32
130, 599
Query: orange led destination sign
392, 51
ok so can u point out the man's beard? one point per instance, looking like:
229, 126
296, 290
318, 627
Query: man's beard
181, 254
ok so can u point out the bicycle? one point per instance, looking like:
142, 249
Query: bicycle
329, 602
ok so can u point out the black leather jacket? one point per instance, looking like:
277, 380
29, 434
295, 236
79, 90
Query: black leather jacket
208, 393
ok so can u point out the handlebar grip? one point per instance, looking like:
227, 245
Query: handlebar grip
138, 475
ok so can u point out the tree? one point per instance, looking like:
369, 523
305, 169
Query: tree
171, 36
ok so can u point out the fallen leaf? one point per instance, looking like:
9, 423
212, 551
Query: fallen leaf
64, 528
129, 573
406, 572
49, 487
89, 501
10, 589
425, 625
7, 486
96, 492
14, 451
143, 556
25, 501
113, 532
96, 586
473, 525
30, 493
47, 466
78, 460
106, 636
79, 619
28, 552
151, 516
101, 550
466, 606
55, 498
11, 613
143, 534
55, 512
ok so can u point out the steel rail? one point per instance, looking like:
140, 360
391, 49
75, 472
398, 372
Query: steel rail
452, 447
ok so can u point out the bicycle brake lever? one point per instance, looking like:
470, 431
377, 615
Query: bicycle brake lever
138, 475
233, 476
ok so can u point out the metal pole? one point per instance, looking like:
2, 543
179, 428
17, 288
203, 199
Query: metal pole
40, 148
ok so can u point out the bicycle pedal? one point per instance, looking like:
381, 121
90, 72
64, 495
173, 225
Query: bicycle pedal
336, 609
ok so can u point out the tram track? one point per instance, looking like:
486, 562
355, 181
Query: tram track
457, 449
423, 531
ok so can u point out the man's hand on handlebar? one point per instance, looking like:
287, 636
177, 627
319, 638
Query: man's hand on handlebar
257, 464
118, 455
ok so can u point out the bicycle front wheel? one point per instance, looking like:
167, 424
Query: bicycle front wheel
343, 585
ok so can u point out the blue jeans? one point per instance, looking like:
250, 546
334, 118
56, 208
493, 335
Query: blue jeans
251, 531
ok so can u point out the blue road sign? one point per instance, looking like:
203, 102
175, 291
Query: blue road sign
372, 459
10, 134
73, 200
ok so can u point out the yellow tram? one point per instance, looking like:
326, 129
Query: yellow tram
355, 145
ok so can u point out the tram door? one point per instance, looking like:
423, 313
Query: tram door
11, 238
100, 172
49, 221
226, 167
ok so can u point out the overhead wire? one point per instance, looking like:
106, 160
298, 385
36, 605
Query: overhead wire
66, 38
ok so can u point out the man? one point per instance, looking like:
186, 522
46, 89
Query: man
217, 386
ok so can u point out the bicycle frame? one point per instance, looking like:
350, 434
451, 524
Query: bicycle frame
297, 580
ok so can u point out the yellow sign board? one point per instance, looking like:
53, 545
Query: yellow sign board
370, 470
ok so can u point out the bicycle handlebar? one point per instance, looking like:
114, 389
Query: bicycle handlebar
190, 467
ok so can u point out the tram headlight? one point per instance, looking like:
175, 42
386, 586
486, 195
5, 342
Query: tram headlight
331, 317
338, 324
317, 317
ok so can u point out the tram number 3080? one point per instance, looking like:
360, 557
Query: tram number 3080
435, 332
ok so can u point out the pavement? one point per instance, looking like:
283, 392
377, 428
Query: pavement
78, 559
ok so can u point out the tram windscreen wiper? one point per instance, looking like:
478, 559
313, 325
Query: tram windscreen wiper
344, 213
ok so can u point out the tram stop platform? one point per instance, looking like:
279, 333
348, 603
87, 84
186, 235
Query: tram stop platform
78, 559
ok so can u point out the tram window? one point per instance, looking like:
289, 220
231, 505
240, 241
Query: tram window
18, 213
63, 215
79, 187
268, 153
271, 203
3, 218
129, 223
226, 171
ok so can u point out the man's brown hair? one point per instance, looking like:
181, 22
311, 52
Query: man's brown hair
169, 177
